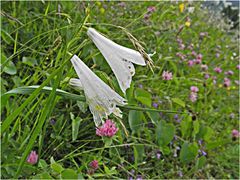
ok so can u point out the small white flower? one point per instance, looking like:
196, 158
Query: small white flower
101, 98
118, 57
191, 9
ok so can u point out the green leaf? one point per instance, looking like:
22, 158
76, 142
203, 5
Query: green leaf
47, 109
201, 162
204, 133
186, 125
106, 169
144, 97
56, 166
103, 76
42, 164
10, 68
80, 176
164, 133
107, 141
208, 134
44, 175
34, 94
178, 101
6, 37
31, 89
154, 116
75, 126
3, 58
135, 120
29, 61
188, 152
196, 126
165, 150
218, 143
138, 153
130, 94
82, 106
69, 174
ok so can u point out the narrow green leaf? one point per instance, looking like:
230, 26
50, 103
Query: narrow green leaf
6, 123
75, 126
48, 107
31, 89
178, 101
6, 37
10, 68
29, 61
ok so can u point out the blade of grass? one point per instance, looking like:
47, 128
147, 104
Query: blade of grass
31, 89
45, 113
34, 94
67, 95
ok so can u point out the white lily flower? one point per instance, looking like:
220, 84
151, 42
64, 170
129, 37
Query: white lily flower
101, 98
119, 58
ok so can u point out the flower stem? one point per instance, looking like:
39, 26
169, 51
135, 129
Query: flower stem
151, 110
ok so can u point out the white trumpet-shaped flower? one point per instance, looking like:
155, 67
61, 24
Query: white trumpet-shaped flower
118, 57
101, 98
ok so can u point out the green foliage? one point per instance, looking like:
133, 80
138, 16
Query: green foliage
135, 119
144, 97
188, 152
162, 134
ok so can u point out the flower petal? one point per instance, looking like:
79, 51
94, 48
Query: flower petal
101, 98
76, 83
118, 57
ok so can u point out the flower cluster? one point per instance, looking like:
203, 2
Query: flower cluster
229, 73
197, 60
217, 69
167, 75
94, 164
235, 133
108, 129
194, 89
150, 10
193, 94
226, 82
93, 167
32, 158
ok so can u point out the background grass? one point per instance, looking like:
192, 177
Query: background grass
35, 40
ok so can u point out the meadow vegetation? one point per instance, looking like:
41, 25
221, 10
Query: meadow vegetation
181, 120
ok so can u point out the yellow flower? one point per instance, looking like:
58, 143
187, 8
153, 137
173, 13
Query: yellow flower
220, 85
228, 88
99, 3
102, 10
181, 7
87, 10
188, 23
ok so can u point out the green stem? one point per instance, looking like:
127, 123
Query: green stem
151, 110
